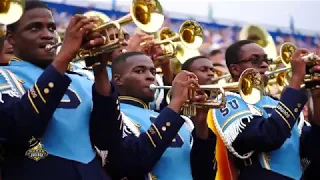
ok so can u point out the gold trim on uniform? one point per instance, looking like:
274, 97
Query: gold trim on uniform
158, 132
285, 120
39, 92
144, 105
32, 103
294, 117
151, 140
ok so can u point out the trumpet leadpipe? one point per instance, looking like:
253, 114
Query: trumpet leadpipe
154, 87
270, 73
213, 80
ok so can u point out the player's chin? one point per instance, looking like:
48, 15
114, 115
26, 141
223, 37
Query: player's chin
44, 55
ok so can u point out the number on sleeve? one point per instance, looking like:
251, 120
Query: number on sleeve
72, 103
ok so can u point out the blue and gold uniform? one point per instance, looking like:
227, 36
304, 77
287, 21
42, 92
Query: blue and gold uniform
19, 119
67, 137
156, 145
265, 137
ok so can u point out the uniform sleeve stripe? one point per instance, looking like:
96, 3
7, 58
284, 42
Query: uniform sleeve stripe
32, 103
157, 131
151, 140
37, 89
285, 120
283, 105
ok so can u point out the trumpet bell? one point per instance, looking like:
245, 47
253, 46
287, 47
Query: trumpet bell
166, 33
182, 55
191, 34
11, 11
147, 15
251, 87
286, 51
190, 37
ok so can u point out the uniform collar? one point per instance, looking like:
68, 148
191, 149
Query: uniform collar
15, 58
133, 101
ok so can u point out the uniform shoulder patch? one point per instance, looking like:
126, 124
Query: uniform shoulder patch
235, 108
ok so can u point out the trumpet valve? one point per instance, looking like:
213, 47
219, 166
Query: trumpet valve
311, 58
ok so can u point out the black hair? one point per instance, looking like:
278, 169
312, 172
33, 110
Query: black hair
188, 63
233, 52
121, 59
215, 52
30, 5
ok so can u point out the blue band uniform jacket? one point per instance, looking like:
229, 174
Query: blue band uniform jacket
66, 136
265, 137
155, 145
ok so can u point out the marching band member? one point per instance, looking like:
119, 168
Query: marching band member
264, 138
61, 148
7, 52
19, 121
203, 69
154, 144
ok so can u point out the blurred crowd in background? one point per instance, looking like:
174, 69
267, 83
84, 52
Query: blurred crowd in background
216, 37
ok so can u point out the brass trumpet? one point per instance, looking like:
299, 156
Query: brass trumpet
283, 75
226, 77
11, 11
286, 51
280, 77
147, 15
190, 36
180, 46
250, 87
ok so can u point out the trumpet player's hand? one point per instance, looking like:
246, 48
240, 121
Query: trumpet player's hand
180, 89
200, 120
298, 68
154, 51
139, 42
77, 29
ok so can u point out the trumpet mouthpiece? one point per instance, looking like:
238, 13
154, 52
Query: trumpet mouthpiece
152, 87
48, 47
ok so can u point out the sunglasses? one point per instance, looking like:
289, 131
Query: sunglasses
257, 60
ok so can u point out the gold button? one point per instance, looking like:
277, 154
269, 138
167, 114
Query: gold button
174, 140
164, 128
299, 105
46, 90
168, 124
296, 110
117, 102
51, 85
118, 107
